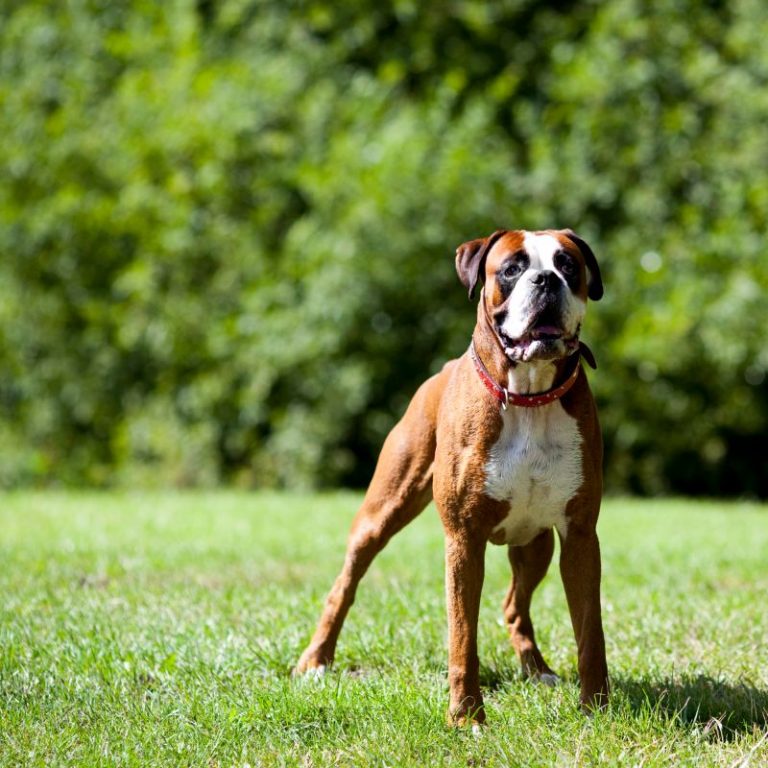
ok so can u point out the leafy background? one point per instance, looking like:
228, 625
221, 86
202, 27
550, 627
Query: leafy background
227, 228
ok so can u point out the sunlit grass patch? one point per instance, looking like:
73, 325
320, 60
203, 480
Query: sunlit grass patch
161, 629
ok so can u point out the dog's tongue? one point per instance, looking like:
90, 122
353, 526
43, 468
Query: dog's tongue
546, 330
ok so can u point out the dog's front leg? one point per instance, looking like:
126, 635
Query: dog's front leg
580, 570
464, 571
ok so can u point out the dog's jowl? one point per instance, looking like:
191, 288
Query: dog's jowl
506, 441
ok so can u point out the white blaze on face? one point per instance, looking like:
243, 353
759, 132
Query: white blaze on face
541, 250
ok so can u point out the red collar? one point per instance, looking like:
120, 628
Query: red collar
505, 397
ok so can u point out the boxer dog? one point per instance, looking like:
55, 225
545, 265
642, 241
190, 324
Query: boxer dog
506, 441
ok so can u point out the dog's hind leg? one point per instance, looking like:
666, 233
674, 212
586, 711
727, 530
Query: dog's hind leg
400, 489
529, 565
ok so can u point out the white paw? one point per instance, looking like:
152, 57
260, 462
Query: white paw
316, 673
311, 673
477, 729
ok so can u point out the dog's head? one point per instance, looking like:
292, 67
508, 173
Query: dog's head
536, 288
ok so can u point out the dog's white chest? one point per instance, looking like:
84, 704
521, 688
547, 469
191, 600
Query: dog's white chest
535, 465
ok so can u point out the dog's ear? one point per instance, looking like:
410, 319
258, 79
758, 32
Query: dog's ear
470, 259
595, 285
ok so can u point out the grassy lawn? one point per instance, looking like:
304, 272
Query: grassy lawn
160, 629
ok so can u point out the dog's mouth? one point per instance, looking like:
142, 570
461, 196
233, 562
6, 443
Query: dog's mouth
544, 338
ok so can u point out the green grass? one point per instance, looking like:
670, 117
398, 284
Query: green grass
161, 629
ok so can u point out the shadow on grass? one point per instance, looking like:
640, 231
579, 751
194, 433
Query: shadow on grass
722, 709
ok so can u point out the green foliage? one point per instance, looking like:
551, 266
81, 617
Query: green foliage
227, 229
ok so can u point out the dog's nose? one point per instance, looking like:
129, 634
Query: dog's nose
546, 279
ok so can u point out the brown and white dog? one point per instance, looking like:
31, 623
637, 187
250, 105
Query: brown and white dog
507, 442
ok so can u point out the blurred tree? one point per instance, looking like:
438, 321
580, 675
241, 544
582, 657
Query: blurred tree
227, 229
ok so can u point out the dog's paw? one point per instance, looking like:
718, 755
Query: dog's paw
310, 666
550, 679
595, 702
468, 718
311, 673
467, 723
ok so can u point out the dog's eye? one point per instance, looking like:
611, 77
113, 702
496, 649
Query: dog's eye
512, 269
567, 265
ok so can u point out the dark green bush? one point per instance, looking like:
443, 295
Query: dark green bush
227, 229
